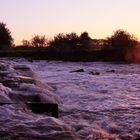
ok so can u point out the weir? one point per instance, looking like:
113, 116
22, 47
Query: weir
39, 108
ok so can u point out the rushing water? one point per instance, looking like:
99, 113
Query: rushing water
97, 106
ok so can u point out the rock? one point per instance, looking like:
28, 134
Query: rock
26, 79
44, 108
23, 70
17, 123
21, 67
79, 70
111, 71
37, 93
10, 83
18, 118
94, 73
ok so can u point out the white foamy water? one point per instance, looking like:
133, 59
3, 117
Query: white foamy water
104, 106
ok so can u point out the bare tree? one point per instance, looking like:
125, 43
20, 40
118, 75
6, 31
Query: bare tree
26, 43
39, 41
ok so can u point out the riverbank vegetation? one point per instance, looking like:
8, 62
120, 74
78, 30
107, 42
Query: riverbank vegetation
121, 46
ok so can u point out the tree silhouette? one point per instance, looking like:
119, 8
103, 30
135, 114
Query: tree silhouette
26, 43
60, 40
39, 41
5, 36
57, 41
84, 39
84, 36
72, 39
122, 40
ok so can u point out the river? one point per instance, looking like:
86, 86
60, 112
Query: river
100, 102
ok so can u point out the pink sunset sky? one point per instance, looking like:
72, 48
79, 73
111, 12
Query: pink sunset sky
26, 18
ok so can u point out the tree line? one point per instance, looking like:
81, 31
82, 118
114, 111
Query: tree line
121, 41
60, 40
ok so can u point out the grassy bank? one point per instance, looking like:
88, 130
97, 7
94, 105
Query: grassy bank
50, 53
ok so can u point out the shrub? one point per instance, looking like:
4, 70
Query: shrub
121, 40
61, 40
26, 43
39, 41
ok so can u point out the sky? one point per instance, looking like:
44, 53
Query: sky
100, 18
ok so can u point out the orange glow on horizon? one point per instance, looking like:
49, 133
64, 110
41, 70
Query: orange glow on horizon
99, 18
